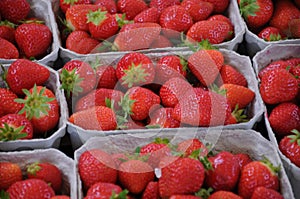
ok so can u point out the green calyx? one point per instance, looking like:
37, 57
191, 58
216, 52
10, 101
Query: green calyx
96, 17
248, 8
159, 140
121, 195
71, 2
70, 82
275, 170
35, 104
274, 37
4, 195
295, 137
206, 163
122, 20
135, 74
239, 115
8, 23
3, 75
204, 193
33, 168
8, 133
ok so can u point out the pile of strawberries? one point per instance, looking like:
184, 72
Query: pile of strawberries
169, 91
124, 25
186, 170
41, 180
279, 88
20, 36
28, 109
272, 20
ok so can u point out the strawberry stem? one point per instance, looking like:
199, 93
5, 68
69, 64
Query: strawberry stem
33, 168
70, 82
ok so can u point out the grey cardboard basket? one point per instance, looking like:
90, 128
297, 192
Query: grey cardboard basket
42, 9
64, 164
235, 141
241, 63
260, 60
53, 140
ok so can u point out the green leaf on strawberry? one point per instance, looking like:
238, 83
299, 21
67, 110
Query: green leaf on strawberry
295, 137
134, 74
96, 17
8, 133
248, 8
71, 82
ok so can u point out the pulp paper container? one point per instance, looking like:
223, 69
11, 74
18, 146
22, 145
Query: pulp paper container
260, 60
54, 139
42, 9
65, 165
241, 63
232, 12
235, 141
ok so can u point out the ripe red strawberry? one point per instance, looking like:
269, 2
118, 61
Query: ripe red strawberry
220, 17
31, 187
224, 195
7, 102
135, 69
271, 34
14, 11
187, 147
284, 12
163, 4
256, 174
220, 6
110, 5
243, 159
24, 74
294, 61
182, 176
151, 191
256, 13
161, 42
214, 31
184, 197
134, 175
263, 192
95, 118
103, 190
41, 108
9, 174
230, 75
8, 50
14, 127
278, 86
76, 16
162, 118
174, 20
283, 64
77, 78
80, 42
136, 36
170, 66
290, 147
60, 197
66, 4
198, 10
46, 171
96, 166
294, 27
102, 25
106, 76
148, 15
7, 31
284, 118
131, 7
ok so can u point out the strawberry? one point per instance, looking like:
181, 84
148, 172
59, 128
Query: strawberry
95, 166
76, 16
214, 31
102, 25
110, 5
151, 191
256, 13
263, 192
220, 6
136, 36
230, 75
148, 15
256, 174
182, 176
8, 50
9, 174
77, 78
284, 118
41, 108
7, 31
14, 11
30, 188
135, 69
283, 64
219, 17
162, 118
294, 61
161, 42
103, 190
224, 195
135, 175
174, 20
106, 76
95, 118
294, 27
163, 4
46, 171
81, 42
187, 147
243, 159
198, 10
131, 7
290, 147
66, 4
284, 12
7, 102
278, 86
14, 127
98, 97
184, 197
170, 66
24, 74
60, 197
271, 34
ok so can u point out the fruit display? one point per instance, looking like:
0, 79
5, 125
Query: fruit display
43, 173
33, 109
279, 88
28, 30
199, 164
